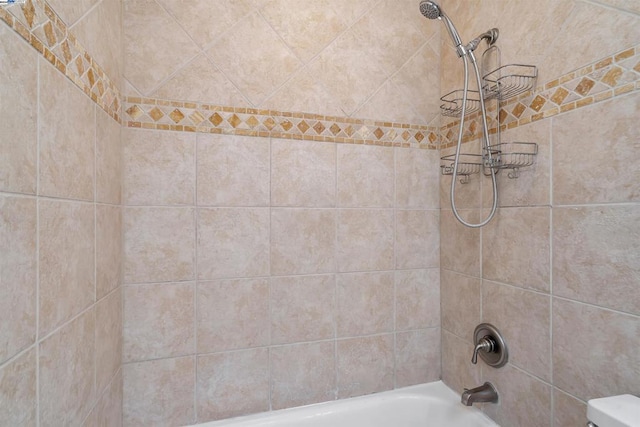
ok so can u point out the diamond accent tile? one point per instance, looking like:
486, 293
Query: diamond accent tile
286, 125
156, 114
584, 86
406, 135
303, 126
612, 76
252, 122
176, 115
319, 128
269, 123
335, 129
537, 103
134, 112
234, 121
559, 95
216, 119
379, 133
419, 136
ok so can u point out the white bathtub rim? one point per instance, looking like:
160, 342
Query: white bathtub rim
437, 390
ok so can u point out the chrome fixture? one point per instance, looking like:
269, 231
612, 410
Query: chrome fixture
486, 393
490, 346
431, 10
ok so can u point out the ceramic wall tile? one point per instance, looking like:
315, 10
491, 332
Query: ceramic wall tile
232, 314
233, 242
67, 269
595, 255
18, 274
233, 384
302, 308
302, 374
159, 244
233, 171
19, 94
158, 168
158, 321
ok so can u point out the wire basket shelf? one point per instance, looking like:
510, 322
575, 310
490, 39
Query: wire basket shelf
468, 164
452, 103
509, 80
512, 155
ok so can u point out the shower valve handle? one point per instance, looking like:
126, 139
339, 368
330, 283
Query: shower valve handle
485, 344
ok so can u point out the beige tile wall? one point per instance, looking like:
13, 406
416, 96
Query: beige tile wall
302, 271
557, 270
366, 59
60, 231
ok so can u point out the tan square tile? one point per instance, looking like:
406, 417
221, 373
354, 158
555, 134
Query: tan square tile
67, 272
417, 239
568, 411
417, 357
364, 304
108, 409
158, 321
365, 176
159, 244
19, 100
159, 392
233, 384
607, 130
417, 178
584, 340
159, 167
302, 308
365, 239
18, 274
460, 294
232, 314
516, 247
108, 249
233, 242
67, 137
460, 245
524, 318
302, 241
233, 171
417, 299
67, 369
303, 173
302, 374
155, 45
264, 51
511, 411
108, 159
457, 370
108, 339
595, 255
18, 391
365, 365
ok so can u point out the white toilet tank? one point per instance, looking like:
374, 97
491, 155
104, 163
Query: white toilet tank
615, 411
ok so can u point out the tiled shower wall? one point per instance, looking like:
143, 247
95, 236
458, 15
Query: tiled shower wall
357, 58
557, 269
267, 273
60, 223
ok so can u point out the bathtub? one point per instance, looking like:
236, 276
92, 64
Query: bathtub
425, 405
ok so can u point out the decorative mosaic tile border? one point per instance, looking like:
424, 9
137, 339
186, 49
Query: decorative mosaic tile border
191, 117
37, 23
610, 77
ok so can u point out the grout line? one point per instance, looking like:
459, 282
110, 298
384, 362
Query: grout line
195, 274
37, 201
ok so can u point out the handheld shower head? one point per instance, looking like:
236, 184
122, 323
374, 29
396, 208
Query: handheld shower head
431, 10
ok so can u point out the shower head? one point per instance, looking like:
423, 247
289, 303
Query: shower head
431, 10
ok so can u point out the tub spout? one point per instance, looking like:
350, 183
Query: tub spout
486, 393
